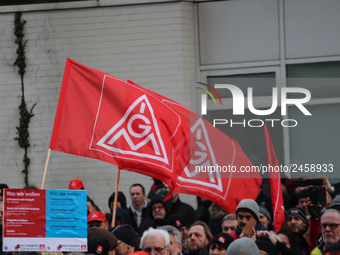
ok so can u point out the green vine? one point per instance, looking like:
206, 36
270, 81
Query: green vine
25, 114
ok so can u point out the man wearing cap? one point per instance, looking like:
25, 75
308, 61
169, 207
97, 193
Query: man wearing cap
126, 239
247, 210
139, 208
76, 184
297, 223
178, 221
95, 231
97, 219
98, 245
218, 245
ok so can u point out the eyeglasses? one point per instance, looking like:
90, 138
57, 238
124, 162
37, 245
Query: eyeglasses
157, 250
157, 208
119, 242
330, 225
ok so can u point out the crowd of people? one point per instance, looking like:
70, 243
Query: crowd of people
152, 226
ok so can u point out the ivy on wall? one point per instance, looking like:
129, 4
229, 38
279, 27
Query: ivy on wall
25, 114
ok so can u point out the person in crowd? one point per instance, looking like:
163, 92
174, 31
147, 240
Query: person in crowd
122, 217
330, 229
303, 200
266, 246
98, 245
175, 239
247, 210
2, 187
199, 236
97, 219
139, 209
229, 223
297, 224
155, 241
95, 231
159, 213
76, 184
286, 236
218, 245
178, 221
121, 201
216, 214
180, 207
265, 218
244, 246
126, 239
1, 226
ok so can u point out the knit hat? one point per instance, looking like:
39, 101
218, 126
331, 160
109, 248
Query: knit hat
96, 216
333, 249
243, 245
177, 221
250, 206
2, 187
76, 184
125, 233
265, 212
222, 238
98, 245
264, 244
299, 213
303, 194
95, 231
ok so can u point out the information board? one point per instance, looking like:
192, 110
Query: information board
45, 220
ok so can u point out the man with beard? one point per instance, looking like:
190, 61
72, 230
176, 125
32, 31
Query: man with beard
297, 224
199, 236
247, 210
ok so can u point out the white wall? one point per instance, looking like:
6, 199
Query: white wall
153, 45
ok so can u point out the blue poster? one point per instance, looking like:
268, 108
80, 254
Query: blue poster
66, 214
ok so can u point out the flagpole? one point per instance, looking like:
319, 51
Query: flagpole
115, 201
48, 158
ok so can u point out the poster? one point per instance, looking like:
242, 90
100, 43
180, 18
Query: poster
45, 220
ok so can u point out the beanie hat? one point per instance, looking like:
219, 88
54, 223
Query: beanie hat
222, 238
303, 194
264, 244
125, 233
243, 245
2, 187
249, 205
98, 245
76, 184
265, 212
333, 249
96, 216
299, 213
177, 221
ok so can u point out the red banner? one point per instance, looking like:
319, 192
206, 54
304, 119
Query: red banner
275, 185
102, 117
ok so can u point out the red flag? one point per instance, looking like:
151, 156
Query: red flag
275, 184
102, 117
214, 150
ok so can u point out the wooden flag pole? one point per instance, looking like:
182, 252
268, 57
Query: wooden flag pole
48, 158
115, 201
